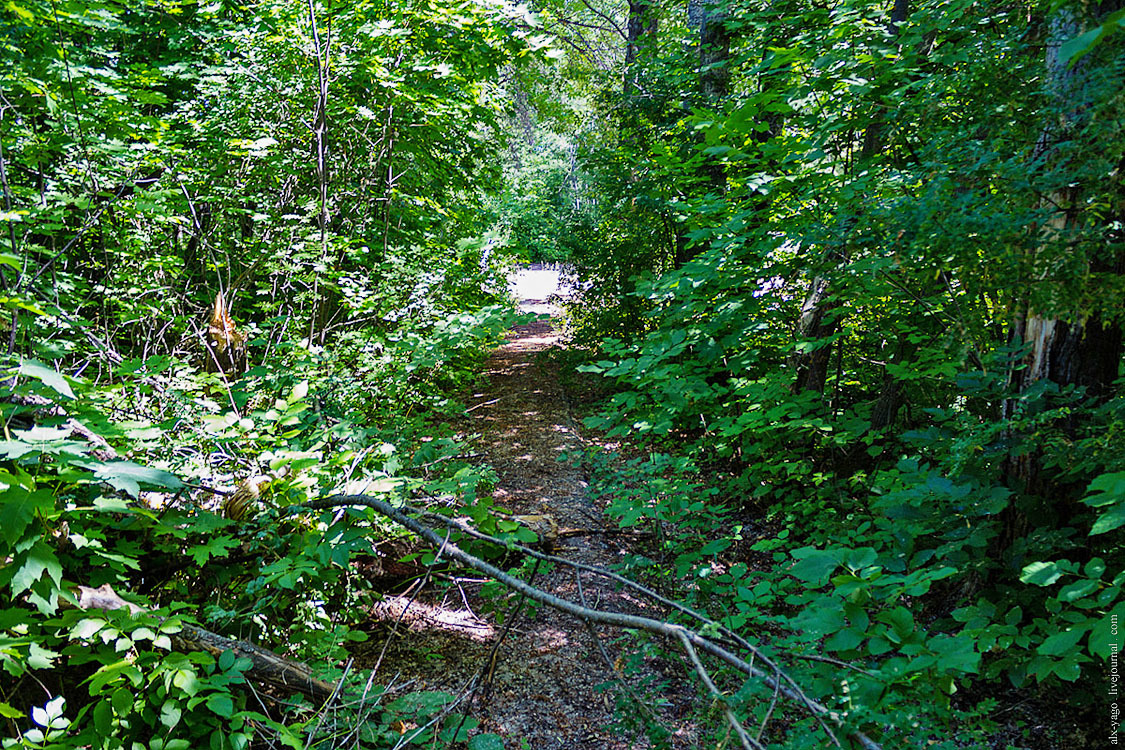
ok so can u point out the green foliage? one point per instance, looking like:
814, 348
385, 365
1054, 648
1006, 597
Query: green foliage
854, 283
816, 303
70, 517
544, 197
153, 156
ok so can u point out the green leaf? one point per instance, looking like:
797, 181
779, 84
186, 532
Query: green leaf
128, 477
814, 565
18, 508
113, 674
41, 658
901, 621
1105, 636
219, 546
103, 718
170, 714
1094, 568
186, 680
821, 617
714, 547
1110, 520
1041, 573
486, 742
31, 566
1069, 670
860, 558
122, 701
1074, 49
22, 12
423, 703
1080, 45
53, 380
1105, 489
1078, 589
955, 653
1062, 642
221, 704
86, 628
847, 639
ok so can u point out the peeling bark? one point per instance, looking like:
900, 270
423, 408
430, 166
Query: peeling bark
815, 324
1065, 347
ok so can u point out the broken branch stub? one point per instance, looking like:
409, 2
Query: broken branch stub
226, 345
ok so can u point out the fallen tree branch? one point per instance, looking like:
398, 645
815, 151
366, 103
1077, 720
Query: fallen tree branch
618, 678
755, 653
266, 667
705, 678
778, 681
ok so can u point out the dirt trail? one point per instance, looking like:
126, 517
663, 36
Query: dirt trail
543, 690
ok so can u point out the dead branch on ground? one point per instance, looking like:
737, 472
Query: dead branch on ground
773, 676
266, 667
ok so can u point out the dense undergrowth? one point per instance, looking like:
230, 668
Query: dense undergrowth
266, 181
146, 523
856, 303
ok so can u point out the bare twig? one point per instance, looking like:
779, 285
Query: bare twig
620, 679
705, 678
754, 652
769, 713
402, 614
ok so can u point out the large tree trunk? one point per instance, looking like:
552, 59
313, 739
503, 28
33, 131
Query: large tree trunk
708, 18
1064, 347
714, 51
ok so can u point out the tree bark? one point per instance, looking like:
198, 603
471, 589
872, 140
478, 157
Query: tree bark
640, 32
815, 324
1064, 347
266, 667
714, 52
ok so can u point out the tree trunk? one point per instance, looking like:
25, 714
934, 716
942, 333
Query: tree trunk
714, 52
816, 321
641, 32
1064, 347
816, 324
886, 407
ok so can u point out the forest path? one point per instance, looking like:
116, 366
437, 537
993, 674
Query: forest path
543, 692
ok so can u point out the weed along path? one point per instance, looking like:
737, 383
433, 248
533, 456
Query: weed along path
545, 686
